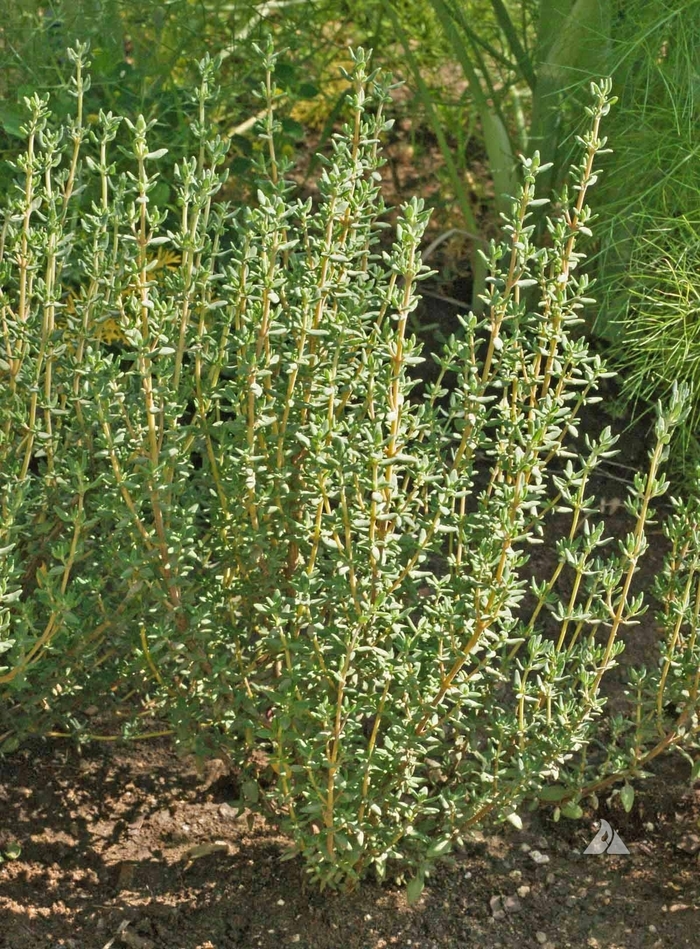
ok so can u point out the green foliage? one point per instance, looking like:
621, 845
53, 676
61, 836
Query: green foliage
648, 257
527, 64
12, 851
137, 60
658, 332
239, 509
662, 700
520, 64
142, 58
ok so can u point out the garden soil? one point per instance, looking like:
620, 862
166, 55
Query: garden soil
135, 847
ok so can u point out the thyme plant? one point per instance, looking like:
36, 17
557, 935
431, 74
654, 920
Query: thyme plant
661, 709
236, 507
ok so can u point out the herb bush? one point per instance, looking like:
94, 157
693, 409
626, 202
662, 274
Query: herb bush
233, 507
661, 700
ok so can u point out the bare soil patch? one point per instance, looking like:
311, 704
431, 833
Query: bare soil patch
132, 846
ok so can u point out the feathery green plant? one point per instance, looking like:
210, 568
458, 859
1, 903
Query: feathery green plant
648, 259
658, 331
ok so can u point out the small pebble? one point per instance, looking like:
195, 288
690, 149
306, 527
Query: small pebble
689, 843
228, 812
570, 901
539, 858
542, 843
550, 878
526, 848
497, 911
652, 928
511, 904
516, 875
524, 890
541, 937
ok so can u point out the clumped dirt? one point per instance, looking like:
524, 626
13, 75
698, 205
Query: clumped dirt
133, 846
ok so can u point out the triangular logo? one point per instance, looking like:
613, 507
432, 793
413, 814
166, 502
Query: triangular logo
606, 840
